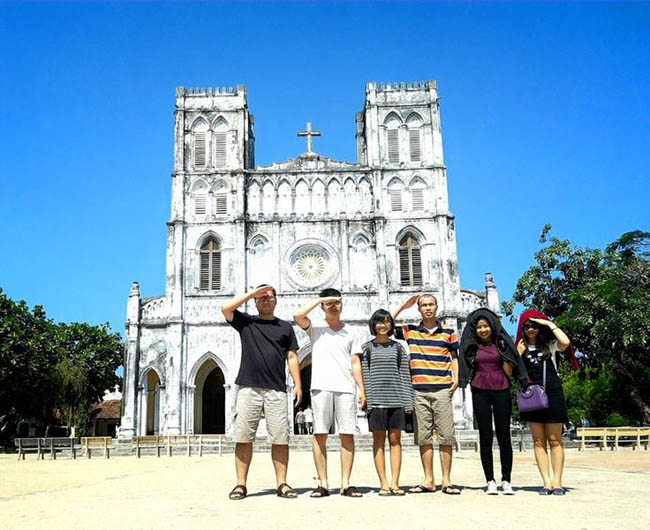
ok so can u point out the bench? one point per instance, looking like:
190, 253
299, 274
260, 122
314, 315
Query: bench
188, 443
612, 437
40, 446
98, 443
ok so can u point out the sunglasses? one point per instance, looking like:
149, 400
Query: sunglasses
531, 325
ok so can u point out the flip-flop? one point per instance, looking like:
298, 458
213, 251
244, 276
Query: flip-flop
558, 491
384, 493
421, 488
397, 491
238, 493
545, 491
319, 492
351, 491
286, 492
450, 490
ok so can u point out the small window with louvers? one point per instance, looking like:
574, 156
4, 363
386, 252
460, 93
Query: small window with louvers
199, 150
414, 145
210, 265
199, 204
392, 141
416, 267
221, 203
404, 268
410, 262
215, 272
417, 199
395, 200
220, 144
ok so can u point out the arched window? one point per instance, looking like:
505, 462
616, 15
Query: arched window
351, 200
268, 199
200, 198
417, 194
254, 196
302, 198
334, 199
210, 277
200, 141
410, 261
284, 198
365, 195
392, 124
220, 142
414, 123
395, 190
220, 193
362, 263
318, 197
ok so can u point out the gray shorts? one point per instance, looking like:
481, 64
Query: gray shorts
253, 403
434, 412
334, 408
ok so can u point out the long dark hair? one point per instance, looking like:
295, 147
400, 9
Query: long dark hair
543, 340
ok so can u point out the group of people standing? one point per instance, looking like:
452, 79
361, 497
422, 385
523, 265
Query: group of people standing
388, 382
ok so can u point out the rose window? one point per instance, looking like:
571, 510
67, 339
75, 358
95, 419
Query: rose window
310, 265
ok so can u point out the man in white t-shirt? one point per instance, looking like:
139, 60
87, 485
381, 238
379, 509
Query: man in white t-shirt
333, 397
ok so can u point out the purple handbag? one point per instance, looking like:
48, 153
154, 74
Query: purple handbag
534, 397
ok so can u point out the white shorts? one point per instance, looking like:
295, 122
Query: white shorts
339, 408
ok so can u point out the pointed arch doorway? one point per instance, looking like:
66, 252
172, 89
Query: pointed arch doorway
210, 399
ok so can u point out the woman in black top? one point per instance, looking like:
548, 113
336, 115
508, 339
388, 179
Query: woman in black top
539, 342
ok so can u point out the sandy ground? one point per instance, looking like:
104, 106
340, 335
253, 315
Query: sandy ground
606, 489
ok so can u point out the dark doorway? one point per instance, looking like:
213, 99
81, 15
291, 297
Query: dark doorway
305, 381
214, 403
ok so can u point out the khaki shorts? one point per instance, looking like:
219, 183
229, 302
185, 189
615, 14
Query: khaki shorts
434, 412
253, 403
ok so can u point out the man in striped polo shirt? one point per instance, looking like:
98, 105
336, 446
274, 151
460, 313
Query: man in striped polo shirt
434, 375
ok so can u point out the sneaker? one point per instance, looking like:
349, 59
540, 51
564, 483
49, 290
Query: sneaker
491, 488
506, 488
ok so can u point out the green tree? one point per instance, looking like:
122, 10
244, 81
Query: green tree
602, 299
90, 355
46, 366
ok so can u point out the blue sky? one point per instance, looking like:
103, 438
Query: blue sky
545, 109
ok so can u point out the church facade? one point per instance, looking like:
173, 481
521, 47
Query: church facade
379, 230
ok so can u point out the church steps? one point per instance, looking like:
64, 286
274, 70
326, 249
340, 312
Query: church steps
468, 442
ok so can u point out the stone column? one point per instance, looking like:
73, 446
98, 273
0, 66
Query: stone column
129, 421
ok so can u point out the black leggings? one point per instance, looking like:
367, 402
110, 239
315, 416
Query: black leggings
486, 404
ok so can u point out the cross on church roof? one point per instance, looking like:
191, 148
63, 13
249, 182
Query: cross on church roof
309, 133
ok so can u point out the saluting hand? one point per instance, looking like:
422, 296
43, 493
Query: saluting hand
411, 301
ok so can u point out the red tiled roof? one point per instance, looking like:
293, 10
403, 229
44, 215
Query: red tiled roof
109, 409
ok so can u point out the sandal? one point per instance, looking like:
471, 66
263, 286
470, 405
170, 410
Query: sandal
397, 491
421, 488
384, 493
351, 491
545, 491
558, 491
238, 493
319, 492
450, 490
286, 492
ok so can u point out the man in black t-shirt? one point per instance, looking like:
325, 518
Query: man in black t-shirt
267, 343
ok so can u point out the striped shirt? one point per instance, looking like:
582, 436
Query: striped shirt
386, 384
431, 355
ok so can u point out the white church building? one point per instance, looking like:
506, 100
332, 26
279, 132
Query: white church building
378, 230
